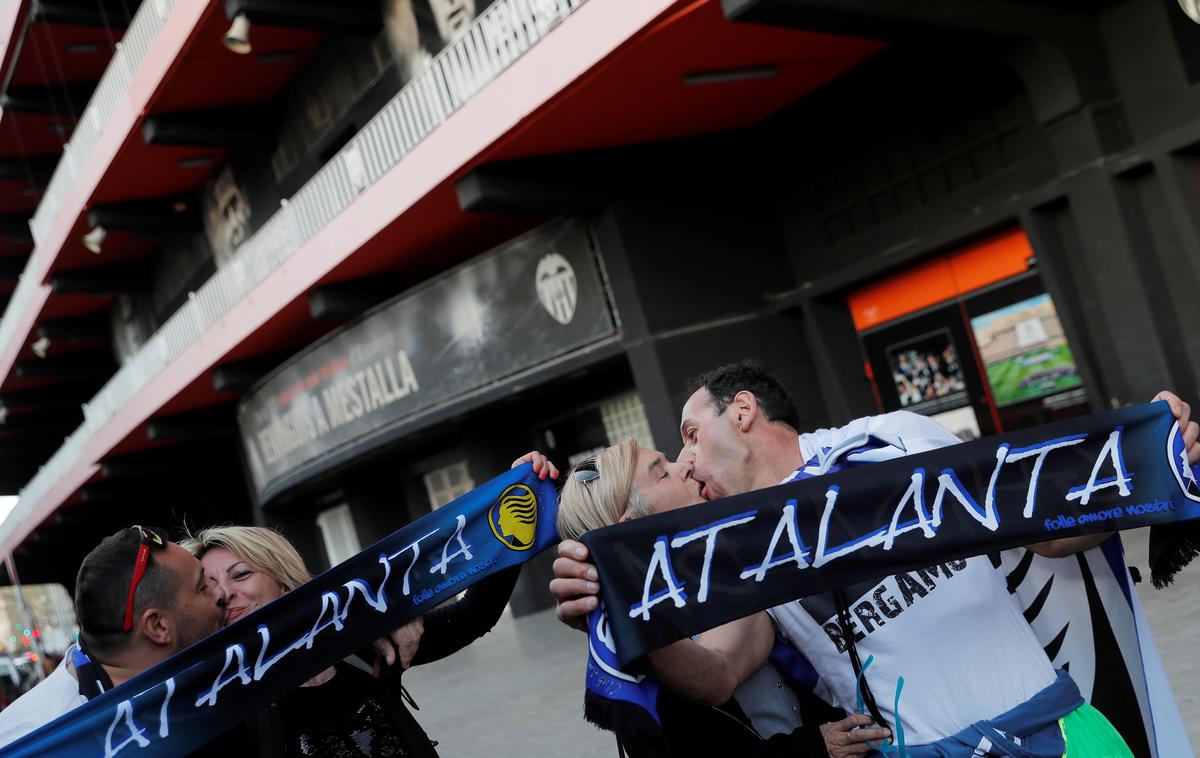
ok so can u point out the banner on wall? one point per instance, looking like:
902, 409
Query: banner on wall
466, 330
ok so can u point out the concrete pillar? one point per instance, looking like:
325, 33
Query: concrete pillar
691, 286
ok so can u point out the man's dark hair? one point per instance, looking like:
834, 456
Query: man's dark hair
725, 382
102, 591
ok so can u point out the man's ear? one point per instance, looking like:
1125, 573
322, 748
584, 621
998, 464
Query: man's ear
745, 410
158, 626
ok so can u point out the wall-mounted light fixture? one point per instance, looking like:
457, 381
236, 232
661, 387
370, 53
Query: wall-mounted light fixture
94, 239
41, 347
237, 37
357, 17
143, 219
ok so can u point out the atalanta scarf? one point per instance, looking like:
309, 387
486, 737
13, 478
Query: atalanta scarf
669, 576
201, 692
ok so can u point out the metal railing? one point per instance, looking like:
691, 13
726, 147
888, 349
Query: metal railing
495, 39
113, 85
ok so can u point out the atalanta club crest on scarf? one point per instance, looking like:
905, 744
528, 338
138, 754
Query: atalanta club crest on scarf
1187, 476
514, 517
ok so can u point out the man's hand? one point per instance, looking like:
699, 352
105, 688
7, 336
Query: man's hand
401, 644
541, 465
1183, 414
575, 585
842, 738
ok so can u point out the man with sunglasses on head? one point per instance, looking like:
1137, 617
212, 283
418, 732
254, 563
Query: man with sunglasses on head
139, 599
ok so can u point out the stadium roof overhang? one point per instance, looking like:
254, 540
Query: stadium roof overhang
188, 70
610, 75
689, 72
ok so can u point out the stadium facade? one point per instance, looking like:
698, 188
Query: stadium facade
328, 265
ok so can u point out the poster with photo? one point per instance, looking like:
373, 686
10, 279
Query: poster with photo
1025, 352
927, 373
417, 30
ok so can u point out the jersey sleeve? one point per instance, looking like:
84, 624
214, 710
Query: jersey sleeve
916, 433
872, 439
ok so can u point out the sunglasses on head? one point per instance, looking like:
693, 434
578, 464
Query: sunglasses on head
148, 539
586, 471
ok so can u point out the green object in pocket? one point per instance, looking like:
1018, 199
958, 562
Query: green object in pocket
1089, 734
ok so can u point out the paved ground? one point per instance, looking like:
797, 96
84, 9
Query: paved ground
519, 691
1173, 614
516, 692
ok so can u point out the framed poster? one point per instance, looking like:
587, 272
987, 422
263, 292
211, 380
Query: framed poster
1024, 351
926, 372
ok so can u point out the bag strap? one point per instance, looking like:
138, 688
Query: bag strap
868, 697
393, 703
271, 732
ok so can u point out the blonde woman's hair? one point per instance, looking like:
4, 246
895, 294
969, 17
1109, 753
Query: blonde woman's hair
602, 500
268, 550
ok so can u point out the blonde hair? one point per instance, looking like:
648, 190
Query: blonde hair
603, 500
268, 550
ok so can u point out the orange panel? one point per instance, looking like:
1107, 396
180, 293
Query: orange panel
909, 291
941, 279
991, 261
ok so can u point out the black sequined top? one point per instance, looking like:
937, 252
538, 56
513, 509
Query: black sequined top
353, 715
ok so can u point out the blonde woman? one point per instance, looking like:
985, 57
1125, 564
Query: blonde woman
722, 696
343, 710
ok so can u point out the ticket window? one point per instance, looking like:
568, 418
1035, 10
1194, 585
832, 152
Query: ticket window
970, 339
